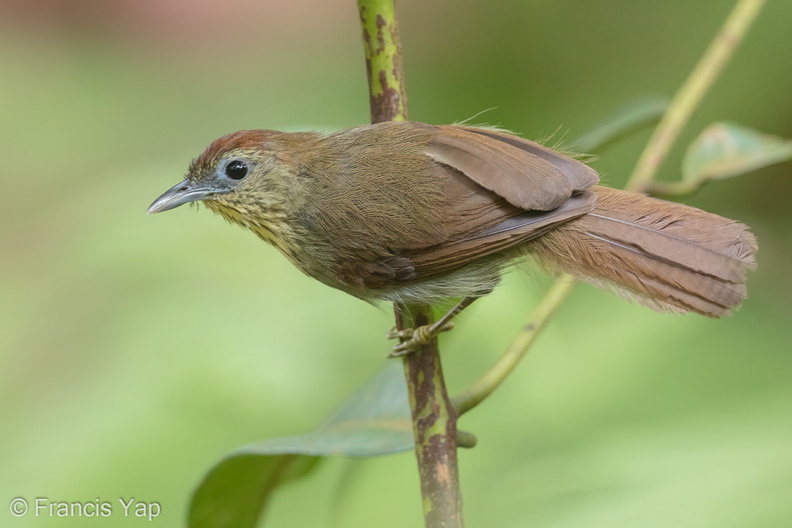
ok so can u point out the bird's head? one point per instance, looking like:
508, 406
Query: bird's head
241, 176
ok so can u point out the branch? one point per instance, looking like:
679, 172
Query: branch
433, 417
434, 428
685, 101
546, 308
689, 96
387, 93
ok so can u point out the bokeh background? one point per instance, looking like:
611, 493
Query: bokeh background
136, 351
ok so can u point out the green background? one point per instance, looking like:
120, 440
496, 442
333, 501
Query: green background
136, 351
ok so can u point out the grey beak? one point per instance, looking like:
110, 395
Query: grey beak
179, 194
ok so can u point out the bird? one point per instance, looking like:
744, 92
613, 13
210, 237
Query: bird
410, 212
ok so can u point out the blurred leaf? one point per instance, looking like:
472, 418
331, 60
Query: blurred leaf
724, 150
374, 421
630, 118
235, 491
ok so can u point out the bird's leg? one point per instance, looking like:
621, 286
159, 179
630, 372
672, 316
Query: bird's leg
416, 337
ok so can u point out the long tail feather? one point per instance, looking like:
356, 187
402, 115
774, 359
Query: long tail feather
668, 256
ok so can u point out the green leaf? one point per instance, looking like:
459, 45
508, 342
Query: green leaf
630, 118
374, 421
724, 150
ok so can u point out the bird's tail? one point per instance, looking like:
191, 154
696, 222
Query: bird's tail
668, 256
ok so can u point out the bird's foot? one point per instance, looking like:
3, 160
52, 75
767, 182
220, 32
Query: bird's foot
415, 338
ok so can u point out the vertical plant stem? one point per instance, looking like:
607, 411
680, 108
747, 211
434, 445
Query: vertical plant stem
690, 94
434, 427
433, 417
387, 93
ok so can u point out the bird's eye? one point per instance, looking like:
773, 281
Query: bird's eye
236, 170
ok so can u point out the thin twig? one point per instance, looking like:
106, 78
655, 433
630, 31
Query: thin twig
685, 101
689, 96
475, 394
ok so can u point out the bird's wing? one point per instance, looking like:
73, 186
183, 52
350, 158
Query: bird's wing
500, 191
524, 173
513, 227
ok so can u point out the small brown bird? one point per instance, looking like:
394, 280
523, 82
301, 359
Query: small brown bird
411, 212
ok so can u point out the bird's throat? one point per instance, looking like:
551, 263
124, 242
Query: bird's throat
267, 227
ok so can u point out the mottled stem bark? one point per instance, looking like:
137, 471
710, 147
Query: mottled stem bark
387, 92
434, 426
434, 418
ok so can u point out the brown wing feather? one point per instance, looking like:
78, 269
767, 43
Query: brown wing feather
491, 192
524, 173
508, 232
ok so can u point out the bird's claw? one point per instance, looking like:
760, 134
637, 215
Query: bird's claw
413, 338
395, 333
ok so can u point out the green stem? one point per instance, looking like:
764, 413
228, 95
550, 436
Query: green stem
434, 428
382, 46
433, 416
689, 96
546, 308
682, 106
676, 188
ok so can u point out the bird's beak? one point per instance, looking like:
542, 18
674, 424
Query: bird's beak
179, 194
